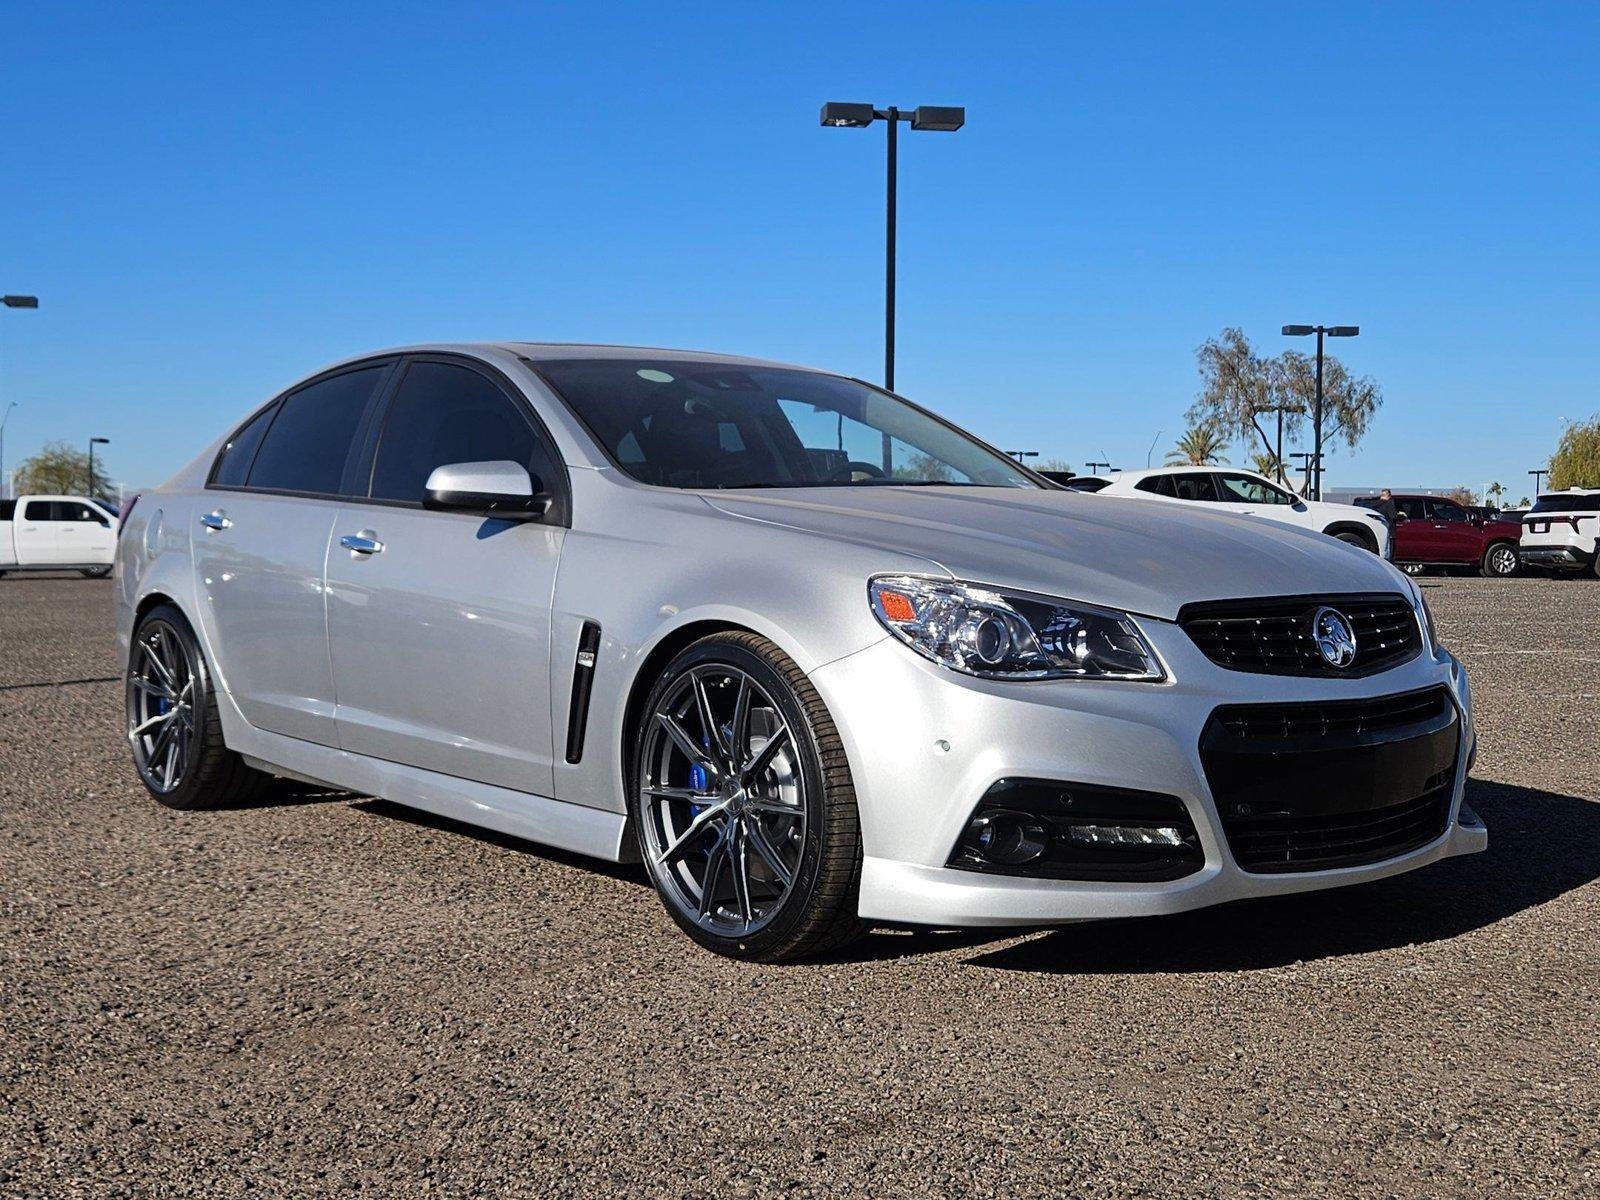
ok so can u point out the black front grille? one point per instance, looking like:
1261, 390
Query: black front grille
1310, 787
1273, 637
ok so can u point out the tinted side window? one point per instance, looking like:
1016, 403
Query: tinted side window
8, 509
39, 510
80, 512
448, 414
1161, 485
306, 448
233, 464
1193, 487
1445, 510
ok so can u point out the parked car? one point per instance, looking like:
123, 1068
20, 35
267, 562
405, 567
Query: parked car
814, 655
1253, 495
57, 533
1435, 531
1561, 531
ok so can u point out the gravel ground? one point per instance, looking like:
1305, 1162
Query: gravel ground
324, 994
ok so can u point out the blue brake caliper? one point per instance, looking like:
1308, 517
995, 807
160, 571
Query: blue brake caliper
698, 781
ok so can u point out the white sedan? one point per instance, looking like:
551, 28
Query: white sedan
1253, 495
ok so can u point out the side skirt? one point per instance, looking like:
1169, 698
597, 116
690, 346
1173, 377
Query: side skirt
574, 827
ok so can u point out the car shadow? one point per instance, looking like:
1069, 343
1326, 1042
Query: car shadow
1541, 845
626, 872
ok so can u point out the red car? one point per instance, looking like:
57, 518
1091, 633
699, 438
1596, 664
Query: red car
1432, 531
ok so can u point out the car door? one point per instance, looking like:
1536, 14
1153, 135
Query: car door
1414, 539
261, 545
1455, 537
1196, 486
35, 530
1253, 497
439, 622
84, 534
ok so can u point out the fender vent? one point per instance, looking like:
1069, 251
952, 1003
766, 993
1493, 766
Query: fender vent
582, 685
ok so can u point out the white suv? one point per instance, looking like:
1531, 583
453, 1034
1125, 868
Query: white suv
1256, 496
1560, 532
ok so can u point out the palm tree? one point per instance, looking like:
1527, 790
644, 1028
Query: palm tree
1200, 446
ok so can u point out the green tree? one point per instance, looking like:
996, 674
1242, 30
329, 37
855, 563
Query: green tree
1264, 463
1201, 446
1462, 495
1495, 495
1241, 391
1054, 464
1576, 462
62, 469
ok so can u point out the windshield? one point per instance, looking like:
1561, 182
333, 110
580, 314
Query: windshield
688, 424
1567, 502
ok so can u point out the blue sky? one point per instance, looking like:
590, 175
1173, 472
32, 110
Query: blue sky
212, 200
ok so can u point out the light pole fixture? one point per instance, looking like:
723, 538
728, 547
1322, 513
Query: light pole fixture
923, 118
1019, 455
93, 442
1093, 465
1307, 467
11, 302
1538, 475
1316, 416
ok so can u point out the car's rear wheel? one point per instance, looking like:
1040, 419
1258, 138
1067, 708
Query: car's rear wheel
1500, 561
1413, 568
743, 803
173, 726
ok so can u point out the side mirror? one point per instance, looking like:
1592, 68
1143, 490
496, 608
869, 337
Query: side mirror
493, 489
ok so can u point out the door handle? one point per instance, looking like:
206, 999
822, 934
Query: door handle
216, 520
359, 543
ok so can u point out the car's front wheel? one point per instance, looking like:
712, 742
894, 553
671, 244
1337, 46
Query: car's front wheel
173, 726
95, 572
1500, 561
743, 803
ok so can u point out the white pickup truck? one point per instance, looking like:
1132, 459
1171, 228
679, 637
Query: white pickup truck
57, 533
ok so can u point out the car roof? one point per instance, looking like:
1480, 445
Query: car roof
541, 352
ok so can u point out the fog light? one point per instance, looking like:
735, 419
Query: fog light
1009, 839
1125, 835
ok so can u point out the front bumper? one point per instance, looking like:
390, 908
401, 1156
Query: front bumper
925, 744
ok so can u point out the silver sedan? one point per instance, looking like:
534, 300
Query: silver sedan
812, 654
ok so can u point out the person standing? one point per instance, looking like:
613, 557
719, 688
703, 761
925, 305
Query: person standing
1386, 506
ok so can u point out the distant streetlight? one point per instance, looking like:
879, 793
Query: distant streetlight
925, 117
1280, 409
1316, 416
1092, 465
1538, 475
1307, 467
93, 442
1019, 455
11, 302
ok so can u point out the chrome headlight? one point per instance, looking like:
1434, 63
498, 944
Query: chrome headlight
1011, 635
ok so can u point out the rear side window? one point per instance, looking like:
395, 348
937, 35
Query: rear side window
233, 464
8, 509
445, 414
1161, 485
1412, 508
1568, 503
1193, 487
306, 448
1446, 510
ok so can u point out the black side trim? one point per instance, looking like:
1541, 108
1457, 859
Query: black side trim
582, 686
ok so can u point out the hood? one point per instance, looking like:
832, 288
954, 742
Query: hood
1140, 556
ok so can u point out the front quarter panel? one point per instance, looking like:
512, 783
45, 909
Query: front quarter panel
651, 564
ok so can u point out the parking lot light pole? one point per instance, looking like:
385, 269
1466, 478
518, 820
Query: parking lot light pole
924, 117
1093, 465
1316, 416
93, 442
10, 302
1537, 475
1019, 455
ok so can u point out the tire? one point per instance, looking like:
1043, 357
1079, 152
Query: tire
1500, 561
767, 792
1356, 540
181, 760
96, 572
1413, 568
